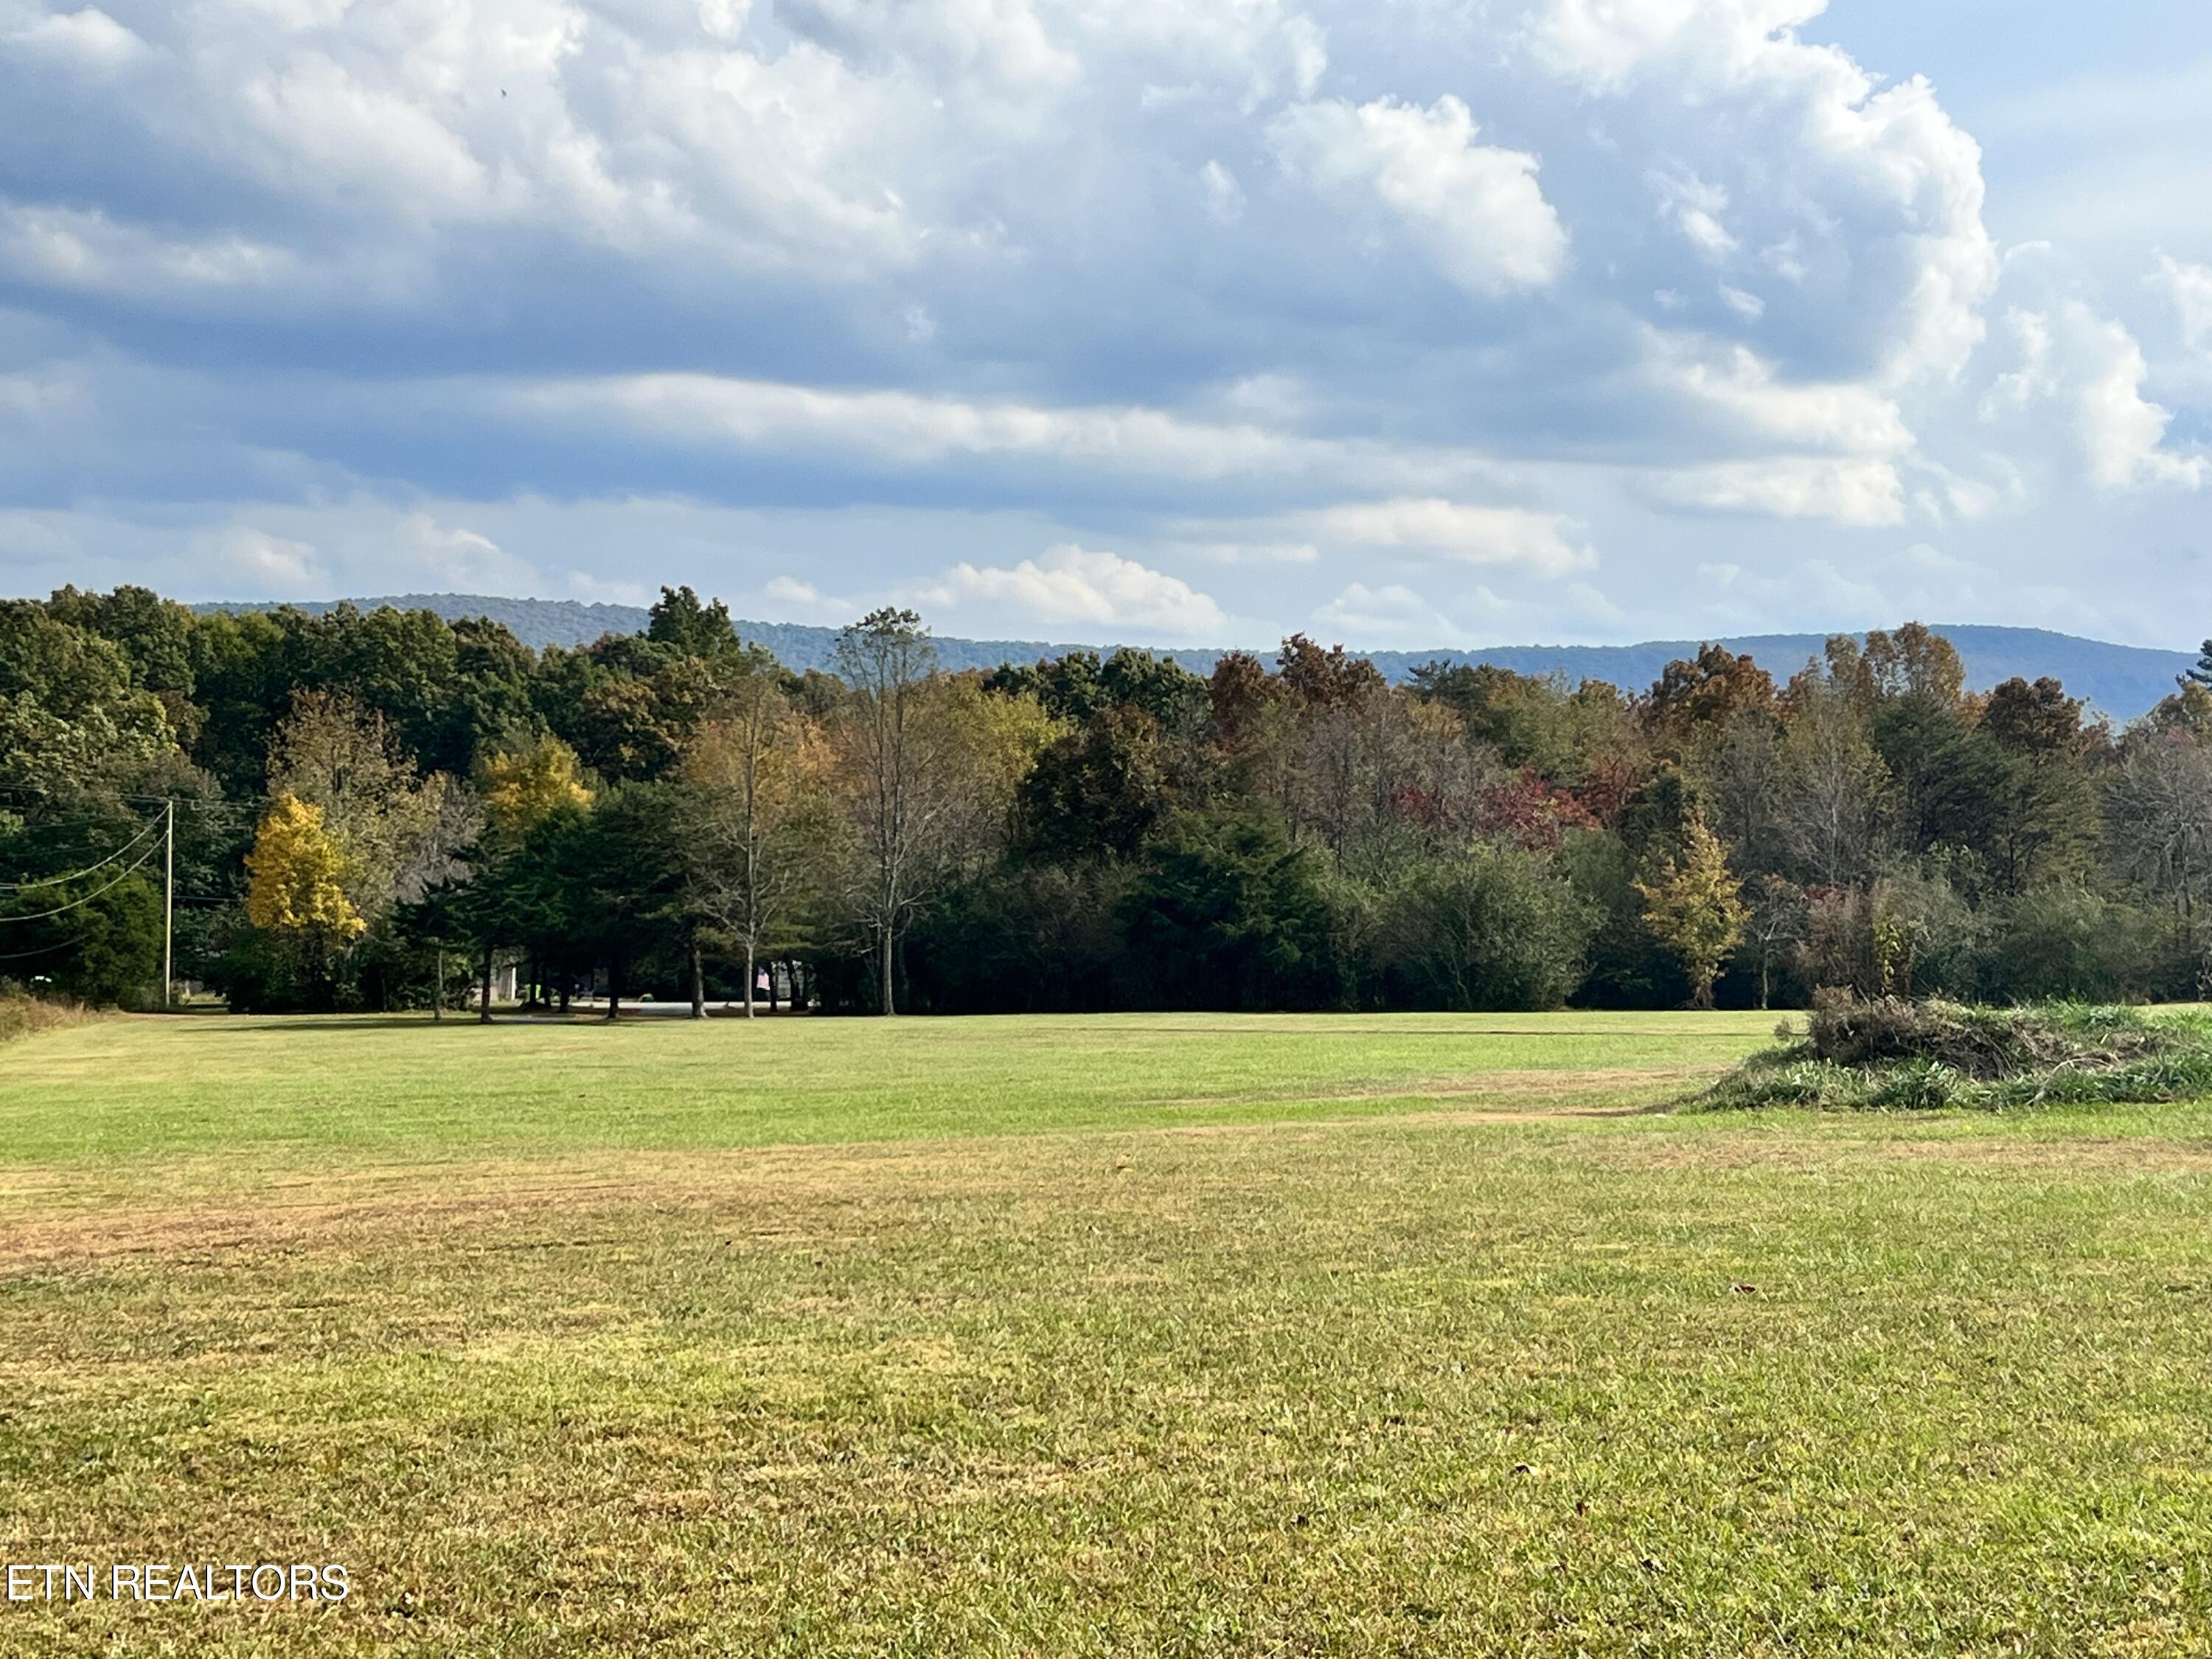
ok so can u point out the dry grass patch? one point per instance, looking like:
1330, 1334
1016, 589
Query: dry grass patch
23, 1015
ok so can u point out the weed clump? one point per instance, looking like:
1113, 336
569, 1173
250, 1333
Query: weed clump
22, 1014
1891, 1054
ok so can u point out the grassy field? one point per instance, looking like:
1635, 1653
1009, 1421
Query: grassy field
1185, 1335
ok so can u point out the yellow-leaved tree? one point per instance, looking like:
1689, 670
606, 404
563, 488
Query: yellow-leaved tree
296, 889
1694, 907
523, 790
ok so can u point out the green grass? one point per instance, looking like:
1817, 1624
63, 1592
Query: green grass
1186, 1336
257, 1089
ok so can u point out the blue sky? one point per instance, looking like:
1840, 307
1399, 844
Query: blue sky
1411, 323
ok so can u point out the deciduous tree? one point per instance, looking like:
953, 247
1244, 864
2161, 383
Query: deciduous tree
754, 821
1694, 905
296, 888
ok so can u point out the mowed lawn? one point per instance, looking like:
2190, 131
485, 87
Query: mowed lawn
1178, 1335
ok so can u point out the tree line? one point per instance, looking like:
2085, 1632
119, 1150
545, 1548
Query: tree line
378, 809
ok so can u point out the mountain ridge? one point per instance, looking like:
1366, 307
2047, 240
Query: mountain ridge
2123, 681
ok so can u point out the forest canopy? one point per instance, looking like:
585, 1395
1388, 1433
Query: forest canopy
376, 808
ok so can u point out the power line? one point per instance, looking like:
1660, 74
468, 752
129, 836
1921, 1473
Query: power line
250, 805
76, 875
78, 904
46, 950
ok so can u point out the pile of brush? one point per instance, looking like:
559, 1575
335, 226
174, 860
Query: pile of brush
1892, 1054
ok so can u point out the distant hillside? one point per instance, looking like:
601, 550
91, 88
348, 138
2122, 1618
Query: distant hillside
537, 623
2122, 680
541, 623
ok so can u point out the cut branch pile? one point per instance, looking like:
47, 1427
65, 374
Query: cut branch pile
1893, 1054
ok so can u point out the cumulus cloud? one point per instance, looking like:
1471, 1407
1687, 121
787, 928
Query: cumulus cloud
1696, 207
2123, 433
1872, 195
465, 560
1734, 386
2189, 287
1476, 210
1221, 286
2089, 371
787, 599
1389, 614
1846, 492
1609, 43
1455, 531
1746, 305
1071, 585
87, 38
261, 562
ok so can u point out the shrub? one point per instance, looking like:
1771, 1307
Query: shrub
1495, 928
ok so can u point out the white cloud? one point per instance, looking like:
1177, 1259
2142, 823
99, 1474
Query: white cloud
260, 561
1741, 389
1828, 153
1746, 305
89, 39
1375, 617
75, 248
2089, 371
1262, 553
2122, 431
903, 427
2018, 387
1873, 589
906, 429
322, 121
1455, 530
463, 559
1861, 493
1225, 197
789, 599
1926, 577
1476, 210
1069, 584
42, 396
1609, 43
2189, 287
861, 290
1696, 207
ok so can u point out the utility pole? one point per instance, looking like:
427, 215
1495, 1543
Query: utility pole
169, 913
